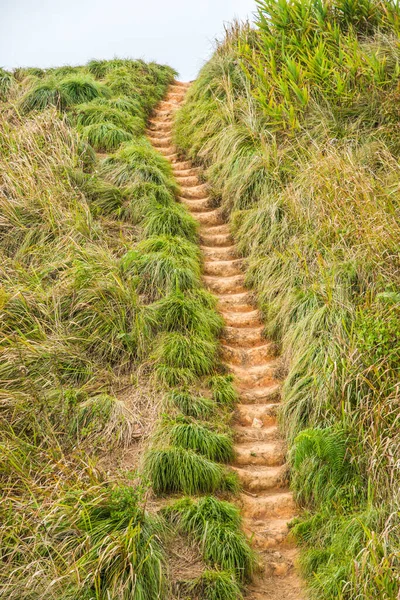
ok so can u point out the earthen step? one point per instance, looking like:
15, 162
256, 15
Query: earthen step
158, 143
244, 337
222, 268
245, 357
270, 454
245, 434
191, 172
167, 150
187, 180
269, 393
218, 252
157, 134
220, 240
257, 479
249, 318
162, 126
180, 164
195, 192
210, 230
266, 535
237, 302
254, 375
196, 206
224, 284
271, 505
210, 217
256, 415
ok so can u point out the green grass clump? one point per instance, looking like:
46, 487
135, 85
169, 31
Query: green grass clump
95, 114
6, 83
185, 433
223, 390
62, 93
175, 349
105, 137
187, 314
171, 220
137, 161
215, 585
161, 273
191, 405
215, 524
174, 470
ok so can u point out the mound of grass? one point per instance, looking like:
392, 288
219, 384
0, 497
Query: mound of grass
94, 114
215, 524
62, 93
181, 351
191, 405
137, 161
174, 470
105, 137
160, 272
185, 433
223, 390
171, 220
187, 314
215, 585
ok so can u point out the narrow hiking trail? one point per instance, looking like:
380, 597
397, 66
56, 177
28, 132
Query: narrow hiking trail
266, 502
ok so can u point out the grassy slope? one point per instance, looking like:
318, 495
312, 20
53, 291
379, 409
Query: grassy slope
295, 123
100, 279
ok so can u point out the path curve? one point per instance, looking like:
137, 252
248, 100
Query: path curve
266, 502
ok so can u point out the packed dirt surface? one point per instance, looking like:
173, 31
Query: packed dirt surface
266, 502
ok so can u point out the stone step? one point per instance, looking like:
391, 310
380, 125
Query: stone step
187, 180
256, 415
244, 434
238, 302
266, 535
254, 375
179, 164
243, 337
218, 252
244, 357
249, 318
158, 143
196, 192
210, 217
271, 505
224, 284
222, 268
271, 454
269, 393
167, 150
196, 206
256, 479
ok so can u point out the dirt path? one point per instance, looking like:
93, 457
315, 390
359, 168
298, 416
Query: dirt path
266, 502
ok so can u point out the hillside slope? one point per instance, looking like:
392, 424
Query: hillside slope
295, 124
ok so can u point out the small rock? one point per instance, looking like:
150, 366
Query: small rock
257, 423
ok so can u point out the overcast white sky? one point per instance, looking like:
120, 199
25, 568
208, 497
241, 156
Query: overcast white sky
45, 33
